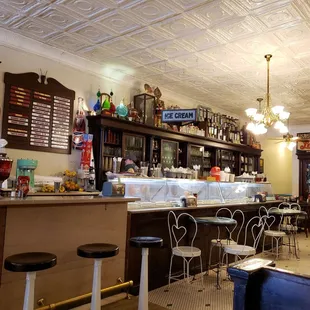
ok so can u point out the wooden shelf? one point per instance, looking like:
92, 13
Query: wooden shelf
99, 121
112, 144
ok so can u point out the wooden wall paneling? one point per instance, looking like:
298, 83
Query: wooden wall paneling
3, 211
61, 230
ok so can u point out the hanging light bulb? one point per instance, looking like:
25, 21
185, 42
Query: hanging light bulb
250, 126
278, 125
258, 117
277, 109
284, 129
250, 112
284, 115
291, 145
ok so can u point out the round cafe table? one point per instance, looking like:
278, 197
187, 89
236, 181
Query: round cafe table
218, 221
287, 214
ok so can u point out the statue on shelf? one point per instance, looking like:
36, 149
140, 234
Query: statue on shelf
148, 89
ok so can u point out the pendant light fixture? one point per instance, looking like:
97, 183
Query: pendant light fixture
266, 115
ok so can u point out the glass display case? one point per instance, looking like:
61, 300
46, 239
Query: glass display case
167, 192
169, 153
247, 163
133, 147
145, 104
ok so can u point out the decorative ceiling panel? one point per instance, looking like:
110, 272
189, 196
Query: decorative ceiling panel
210, 51
92, 33
148, 36
86, 8
151, 11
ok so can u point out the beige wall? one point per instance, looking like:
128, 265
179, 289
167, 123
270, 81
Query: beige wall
281, 165
278, 166
84, 84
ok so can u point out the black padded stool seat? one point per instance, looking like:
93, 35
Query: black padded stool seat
146, 242
97, 250
30, 262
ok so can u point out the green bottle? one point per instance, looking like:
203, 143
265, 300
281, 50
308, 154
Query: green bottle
106, 104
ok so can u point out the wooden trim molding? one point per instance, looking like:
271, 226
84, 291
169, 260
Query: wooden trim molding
3, 212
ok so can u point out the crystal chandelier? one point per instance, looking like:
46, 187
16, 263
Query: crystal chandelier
266, 115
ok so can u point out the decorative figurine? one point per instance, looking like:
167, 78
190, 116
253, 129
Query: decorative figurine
121, 110
148, 89
97, 106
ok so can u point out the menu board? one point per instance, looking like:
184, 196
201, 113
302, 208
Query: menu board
37, 115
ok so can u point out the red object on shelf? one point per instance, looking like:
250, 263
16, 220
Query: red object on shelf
215, 172
23, 184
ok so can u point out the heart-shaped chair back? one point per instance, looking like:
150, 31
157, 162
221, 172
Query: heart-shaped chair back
177, 230
254, 228
178, 233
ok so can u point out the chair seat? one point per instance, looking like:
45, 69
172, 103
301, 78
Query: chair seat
97, 250
146, 242
30, 262
274, 233
222, 242
186, 251
239, 249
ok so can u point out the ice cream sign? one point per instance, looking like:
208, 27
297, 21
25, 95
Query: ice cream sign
174, 116
304, 143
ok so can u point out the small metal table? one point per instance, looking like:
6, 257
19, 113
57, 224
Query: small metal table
289, 213
218, 222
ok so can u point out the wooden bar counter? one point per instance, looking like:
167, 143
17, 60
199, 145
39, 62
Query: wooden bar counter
59, 225
153, 222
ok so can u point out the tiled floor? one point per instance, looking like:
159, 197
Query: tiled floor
182, 296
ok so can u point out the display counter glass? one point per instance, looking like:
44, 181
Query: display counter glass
164, 192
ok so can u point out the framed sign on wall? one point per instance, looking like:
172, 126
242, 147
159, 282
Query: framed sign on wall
37, 113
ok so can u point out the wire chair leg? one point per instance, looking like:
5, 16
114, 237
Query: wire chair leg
169, 280
210, 257
201, 272
277, 248
264, 244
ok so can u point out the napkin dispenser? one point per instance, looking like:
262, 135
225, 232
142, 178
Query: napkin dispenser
110, 189
260, 198
188, 201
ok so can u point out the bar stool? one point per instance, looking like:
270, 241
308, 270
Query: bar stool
145, 243
97, 251
30, 263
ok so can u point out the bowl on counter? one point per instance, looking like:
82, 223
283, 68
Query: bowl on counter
170, 174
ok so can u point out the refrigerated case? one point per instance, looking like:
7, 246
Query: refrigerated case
159, 192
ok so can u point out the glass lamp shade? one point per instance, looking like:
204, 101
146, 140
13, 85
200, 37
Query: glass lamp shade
277, 109
291, 145
250, 112
261, 129
278, 125
250, 126
284, 115
258, 117
284, 129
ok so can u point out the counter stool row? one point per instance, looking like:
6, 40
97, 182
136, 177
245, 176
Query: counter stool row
32, 262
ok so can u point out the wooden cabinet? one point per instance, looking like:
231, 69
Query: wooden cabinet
304, 174
133, 147
169, 153
229, 159
141, 142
